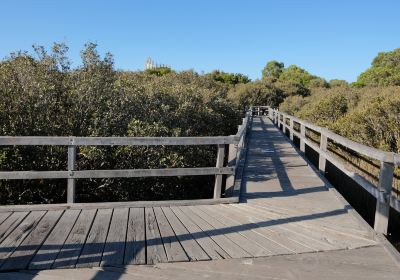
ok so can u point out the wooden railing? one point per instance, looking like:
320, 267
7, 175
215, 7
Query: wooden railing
382, 191
236, 146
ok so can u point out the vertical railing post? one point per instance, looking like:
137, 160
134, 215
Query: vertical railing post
291, 129
302, 138
220, 163
385, 190
284, 124
232, 160
323, 145
279, 120
71, 169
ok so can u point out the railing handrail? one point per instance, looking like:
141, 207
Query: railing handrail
235, 143
114, 141
352, 145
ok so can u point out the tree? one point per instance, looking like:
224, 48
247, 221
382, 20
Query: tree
159, 71
385, 70
338, 83
273, 69
228, 78
296, 74
256, 93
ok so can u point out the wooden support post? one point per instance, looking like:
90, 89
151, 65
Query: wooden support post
283, 124
230, 179
385, 189
71, 169
279, 120
303, 136
323, 145
218, 178
291, 129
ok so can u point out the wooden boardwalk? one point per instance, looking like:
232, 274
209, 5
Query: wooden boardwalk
285, 209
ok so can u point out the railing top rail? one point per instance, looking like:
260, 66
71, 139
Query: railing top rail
397, 159
124, 141
365, 150
110, 141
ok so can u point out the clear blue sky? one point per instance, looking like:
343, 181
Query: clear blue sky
332, 39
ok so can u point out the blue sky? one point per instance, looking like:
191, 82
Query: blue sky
331, 39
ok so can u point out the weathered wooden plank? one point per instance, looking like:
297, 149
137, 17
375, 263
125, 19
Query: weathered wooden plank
4, 216
279, 243
23, 254
72, 247
135, 250
219, 164
290, 229
316, 230
218, 235
155, 249
192, 248
384, 187
114, 248
93, 250
71, 168
11, 223
208, 244
281, 238
122, 173
15, 238
323, 145
128, 204
232, 232
49, 250
171, 244
114, 141
225, 217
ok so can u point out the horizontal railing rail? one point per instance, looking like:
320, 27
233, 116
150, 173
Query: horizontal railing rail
234, 142
388, 160
115, 141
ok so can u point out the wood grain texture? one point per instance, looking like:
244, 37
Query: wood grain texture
15, 238
171, 244
135, 250
188, 242
72, 247
155, 248
93, 250
114, 248
45, 256
22, 255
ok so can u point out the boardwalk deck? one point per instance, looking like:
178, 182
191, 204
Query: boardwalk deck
285, 209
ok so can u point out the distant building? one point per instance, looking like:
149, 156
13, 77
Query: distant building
151, 65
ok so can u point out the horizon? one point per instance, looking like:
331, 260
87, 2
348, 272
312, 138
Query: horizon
331, 40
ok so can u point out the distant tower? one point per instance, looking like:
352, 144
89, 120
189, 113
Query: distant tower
149, 64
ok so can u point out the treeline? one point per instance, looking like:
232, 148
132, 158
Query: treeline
367, 111
41, 94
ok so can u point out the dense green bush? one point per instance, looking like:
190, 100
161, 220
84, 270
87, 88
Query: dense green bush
42, 95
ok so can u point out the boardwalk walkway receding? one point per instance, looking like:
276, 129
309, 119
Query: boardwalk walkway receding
285, 209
